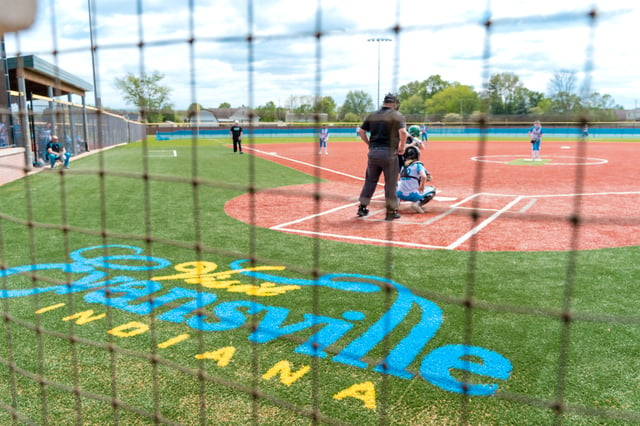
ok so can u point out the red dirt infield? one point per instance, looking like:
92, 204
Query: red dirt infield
489, 197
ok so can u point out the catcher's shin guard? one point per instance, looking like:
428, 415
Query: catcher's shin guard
428, 197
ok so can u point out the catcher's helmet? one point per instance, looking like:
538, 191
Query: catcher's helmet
412, 153
414, 131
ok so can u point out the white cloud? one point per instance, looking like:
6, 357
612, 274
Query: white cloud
531, 39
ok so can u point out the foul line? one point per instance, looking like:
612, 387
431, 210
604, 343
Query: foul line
272, 154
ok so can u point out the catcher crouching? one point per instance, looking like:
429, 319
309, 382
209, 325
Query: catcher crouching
413, 178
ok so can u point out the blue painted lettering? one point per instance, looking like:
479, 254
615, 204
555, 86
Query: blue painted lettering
122, 292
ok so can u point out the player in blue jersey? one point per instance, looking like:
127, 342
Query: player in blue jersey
424, 134
535, 137
324, 137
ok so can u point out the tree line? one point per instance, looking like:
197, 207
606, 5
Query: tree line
434, 99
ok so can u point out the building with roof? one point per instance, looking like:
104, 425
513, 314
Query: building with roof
37, 92
216, 117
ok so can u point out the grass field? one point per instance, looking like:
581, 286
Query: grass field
125, 346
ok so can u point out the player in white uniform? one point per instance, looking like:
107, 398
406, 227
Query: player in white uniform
413, 178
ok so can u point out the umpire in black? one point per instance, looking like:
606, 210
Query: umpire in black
388, 135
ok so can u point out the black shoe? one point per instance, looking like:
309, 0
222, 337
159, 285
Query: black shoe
363, 210
392, 214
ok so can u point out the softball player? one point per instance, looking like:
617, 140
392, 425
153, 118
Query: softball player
413, 178
535, 136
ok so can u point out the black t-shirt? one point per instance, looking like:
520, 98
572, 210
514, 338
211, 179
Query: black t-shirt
383, 126
236, 131
55, 147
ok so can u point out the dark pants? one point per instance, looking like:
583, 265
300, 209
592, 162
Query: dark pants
381, 161
237, 145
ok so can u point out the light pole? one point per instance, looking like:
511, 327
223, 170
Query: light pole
379, 40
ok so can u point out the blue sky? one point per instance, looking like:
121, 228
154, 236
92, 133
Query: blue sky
533, 39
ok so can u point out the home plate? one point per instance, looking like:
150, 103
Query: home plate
565, 147
437, 198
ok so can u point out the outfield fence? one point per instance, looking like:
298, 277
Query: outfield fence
608, 130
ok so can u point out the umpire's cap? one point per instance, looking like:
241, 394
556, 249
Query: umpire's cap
390, 98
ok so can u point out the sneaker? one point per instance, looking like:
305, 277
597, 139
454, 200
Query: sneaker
392, 214
417, 207
426, 199
363, 210
241, 152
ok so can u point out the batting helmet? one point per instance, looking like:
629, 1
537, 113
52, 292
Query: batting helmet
414, 131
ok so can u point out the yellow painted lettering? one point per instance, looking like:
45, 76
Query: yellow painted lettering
129, 329
270, 289
201, 273
49, 308
227, 274
210, 282
84, 317
365, 392
221, 356
173, 341
189, 270
283, 368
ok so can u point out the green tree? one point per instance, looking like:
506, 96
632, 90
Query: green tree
303, 109
145, 92
601, 107
327, 105
225, 105
413, 95
410, 90
565, 103
504, 92
435, 84
352, 117
357, 102
168, 114
542, 107
458, 98
268, 112
412, 105
524, 100
193, 110
563, 93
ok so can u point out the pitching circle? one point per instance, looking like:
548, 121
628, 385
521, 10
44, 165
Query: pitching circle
577, 161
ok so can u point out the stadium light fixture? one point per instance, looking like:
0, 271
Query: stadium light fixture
379, 40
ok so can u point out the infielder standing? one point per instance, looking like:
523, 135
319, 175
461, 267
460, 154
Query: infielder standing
236, 135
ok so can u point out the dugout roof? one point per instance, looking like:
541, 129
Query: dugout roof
39, 75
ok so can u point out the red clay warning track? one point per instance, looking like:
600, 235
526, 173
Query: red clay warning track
582, 196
